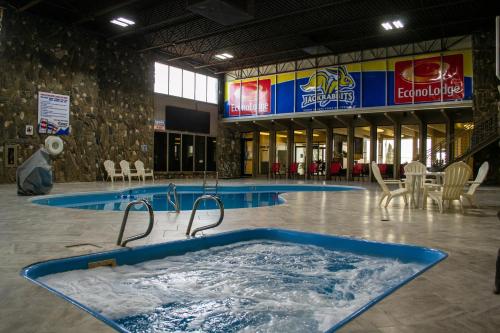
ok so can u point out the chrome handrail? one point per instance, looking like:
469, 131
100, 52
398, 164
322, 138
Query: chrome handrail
146, 203
175, 203
205, 187
193, 213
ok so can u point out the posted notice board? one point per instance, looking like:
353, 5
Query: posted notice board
53, 113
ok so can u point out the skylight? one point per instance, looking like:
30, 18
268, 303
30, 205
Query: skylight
122, 22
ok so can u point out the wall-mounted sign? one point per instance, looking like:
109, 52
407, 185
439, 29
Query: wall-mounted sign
440, 77
53, 113
29, 130
159, 125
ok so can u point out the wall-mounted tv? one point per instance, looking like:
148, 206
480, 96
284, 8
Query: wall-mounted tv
187, 120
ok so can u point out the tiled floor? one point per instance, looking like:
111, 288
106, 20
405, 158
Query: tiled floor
455, 296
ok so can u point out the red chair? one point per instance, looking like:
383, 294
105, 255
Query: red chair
294, 170
275, 170
335, 169
357, 171
312, 170
383, 170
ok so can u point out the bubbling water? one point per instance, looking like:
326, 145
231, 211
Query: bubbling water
254, 286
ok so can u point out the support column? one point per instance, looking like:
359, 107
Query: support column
373, 147
350, 151
397, 149
422, 132
256, 153
329, 151
290, 144
450, 144
309, 148
272, 150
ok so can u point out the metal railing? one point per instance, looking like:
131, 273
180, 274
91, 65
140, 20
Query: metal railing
484, 132
207, 188
198, 201
172, 189
145, 203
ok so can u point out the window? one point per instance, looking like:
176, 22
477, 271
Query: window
175, 81
161, 78
201, 87
212, 90
188, 84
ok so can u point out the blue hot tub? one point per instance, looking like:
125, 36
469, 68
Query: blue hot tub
267, 280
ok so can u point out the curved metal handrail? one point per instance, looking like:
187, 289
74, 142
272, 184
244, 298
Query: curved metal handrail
175, 203
195, 207
146, 203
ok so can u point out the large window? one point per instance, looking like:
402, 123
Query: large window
178, 82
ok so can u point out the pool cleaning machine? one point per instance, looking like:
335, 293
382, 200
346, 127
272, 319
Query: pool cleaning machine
34, 176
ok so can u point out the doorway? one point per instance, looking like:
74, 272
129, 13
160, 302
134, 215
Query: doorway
247, 155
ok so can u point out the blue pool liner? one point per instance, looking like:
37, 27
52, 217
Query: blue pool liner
129, 256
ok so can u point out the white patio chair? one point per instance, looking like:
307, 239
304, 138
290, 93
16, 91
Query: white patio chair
454, 179
481, 175
139, 166
417, 167
125, 166
387, 193
109, 166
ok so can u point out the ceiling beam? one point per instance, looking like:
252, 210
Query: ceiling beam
29, 5
325, 123
343, 121
302, 124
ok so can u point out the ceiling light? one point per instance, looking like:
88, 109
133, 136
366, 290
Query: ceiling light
398, 24
227, 55
127, 21
220, 56
387, 26
121, 24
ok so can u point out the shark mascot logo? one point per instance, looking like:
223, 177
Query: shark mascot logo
327, 85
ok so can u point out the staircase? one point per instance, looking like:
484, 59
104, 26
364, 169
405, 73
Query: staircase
484, 133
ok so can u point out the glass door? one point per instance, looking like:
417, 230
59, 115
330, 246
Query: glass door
247, 155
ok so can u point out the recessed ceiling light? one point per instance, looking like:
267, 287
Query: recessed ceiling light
127, 21
387, 26
227, 55
220, 56
121, 24
398, 24
224, 56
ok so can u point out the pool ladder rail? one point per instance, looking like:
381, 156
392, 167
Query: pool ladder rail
131, 204
206, 187
172, 189
205, 197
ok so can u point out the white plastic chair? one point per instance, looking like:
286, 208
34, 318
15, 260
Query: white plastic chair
481, 175
454, 179
125, 166
139, 166
417, 167
109, 166
387, 193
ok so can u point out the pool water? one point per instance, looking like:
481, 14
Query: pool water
250, 286
231, 196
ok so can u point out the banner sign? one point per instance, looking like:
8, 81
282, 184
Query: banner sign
407, 80
53, 113
429, 79
159, 125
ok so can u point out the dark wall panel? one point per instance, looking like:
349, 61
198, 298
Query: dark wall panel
180, 119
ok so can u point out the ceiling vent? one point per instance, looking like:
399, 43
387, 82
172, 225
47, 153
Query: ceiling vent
222, 11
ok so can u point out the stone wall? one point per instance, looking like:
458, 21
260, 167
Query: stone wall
228, 152
486, 97
110, 87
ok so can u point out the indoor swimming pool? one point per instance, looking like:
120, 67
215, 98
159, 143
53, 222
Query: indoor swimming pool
266, 280
247, 196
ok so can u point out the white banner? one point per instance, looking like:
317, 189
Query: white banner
53, 113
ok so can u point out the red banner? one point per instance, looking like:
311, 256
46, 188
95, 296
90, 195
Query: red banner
250, 98
427, 80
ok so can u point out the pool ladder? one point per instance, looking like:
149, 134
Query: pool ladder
145, 203
207, 188
172, 190
205, 197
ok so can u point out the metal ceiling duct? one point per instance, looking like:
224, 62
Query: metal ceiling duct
223, 12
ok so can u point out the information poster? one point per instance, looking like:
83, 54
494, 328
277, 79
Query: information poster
53, 113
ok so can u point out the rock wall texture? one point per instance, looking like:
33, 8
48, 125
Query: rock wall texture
110, 87
228, 152
486, 97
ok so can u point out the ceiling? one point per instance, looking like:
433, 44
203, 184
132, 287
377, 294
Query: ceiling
272, 31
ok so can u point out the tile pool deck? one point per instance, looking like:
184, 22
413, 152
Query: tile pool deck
455, 296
